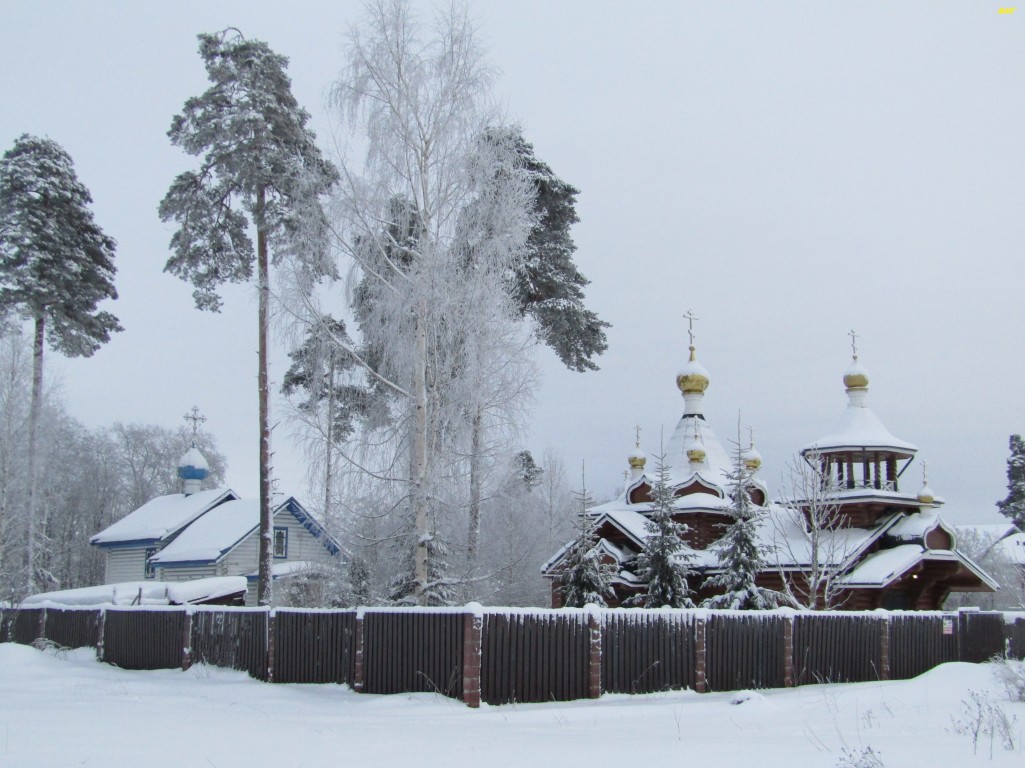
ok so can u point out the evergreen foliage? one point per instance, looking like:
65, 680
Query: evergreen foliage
260, 166
1013, 506
547, 285
585, 578
738, 552
663, 561
55, 261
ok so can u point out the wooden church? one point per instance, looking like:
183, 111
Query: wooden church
880, 546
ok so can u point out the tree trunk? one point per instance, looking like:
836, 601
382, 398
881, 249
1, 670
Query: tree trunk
33, 449
265, 588
330, 438
419, 456
474, 535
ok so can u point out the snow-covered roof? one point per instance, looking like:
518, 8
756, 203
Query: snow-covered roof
713, 469
783, 543
161, 517
859, 428
153, 592
213, 534
883, 567
1012, 548
914, 526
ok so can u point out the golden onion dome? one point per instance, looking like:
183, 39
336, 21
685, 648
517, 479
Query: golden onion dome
752, 459
694, 447
856, 377
692, 378
637, 459
925, 494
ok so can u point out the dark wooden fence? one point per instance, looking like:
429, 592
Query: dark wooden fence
534, 657
500, 656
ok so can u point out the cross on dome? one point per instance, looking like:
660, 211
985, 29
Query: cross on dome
690, 317
196, 419
637, 432
854, 343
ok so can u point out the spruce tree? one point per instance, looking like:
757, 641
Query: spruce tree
663, 561
56, 266
1013, 506
738, 552
585, 577
260, 166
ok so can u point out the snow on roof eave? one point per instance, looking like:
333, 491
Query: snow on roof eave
897, 573
101, 539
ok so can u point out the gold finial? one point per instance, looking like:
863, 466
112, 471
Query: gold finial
637, 459
856, 377
752, 459
925, 495
693, 378
195, 419
696, 448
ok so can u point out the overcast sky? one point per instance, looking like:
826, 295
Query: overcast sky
789, 171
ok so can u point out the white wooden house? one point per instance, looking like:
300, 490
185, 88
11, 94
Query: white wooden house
201, 534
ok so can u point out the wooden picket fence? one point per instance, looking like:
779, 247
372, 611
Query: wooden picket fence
500, 655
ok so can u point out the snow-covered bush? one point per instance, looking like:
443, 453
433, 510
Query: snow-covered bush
1011, 674
982, 717
865, 758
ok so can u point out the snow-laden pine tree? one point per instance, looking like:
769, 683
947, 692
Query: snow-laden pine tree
663, 563
261, 170
1013, 506
586, 577
738, 552
56, 266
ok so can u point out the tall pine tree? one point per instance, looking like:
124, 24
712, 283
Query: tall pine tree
738, 553
663, 561
1013, 506
260, 166
56, 266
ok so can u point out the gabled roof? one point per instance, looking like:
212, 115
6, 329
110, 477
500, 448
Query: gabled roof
162, 517
223, 528
858, 428
880, 569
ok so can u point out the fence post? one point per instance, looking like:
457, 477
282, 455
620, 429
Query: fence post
594, 655
884, 649
700, 655
788, 650
473, 623
270, 645
187, 641
357, 673
101, 626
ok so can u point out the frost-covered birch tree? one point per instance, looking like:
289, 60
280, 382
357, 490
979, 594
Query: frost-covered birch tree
809, 537
431, 224
56, 267
261, 170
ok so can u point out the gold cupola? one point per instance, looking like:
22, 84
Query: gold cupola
692, 378
695, 447
751, 457
925, 493
855, 377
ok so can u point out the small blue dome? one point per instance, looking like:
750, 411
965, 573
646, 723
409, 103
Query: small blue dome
193, 466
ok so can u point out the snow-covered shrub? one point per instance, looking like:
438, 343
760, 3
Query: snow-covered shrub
982, 717
1011, 674
865, 758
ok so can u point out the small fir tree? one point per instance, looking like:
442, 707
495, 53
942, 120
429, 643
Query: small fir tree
739, 556
663, 563
585, 577
1013, 506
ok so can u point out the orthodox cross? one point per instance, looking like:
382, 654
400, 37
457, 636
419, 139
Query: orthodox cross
690, 317
195, 419
751, 436
854, 344
637, 432
925, 473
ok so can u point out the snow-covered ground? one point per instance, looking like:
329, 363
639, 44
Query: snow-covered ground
65, 708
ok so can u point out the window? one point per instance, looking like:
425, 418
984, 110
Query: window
280, 542
149, 571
